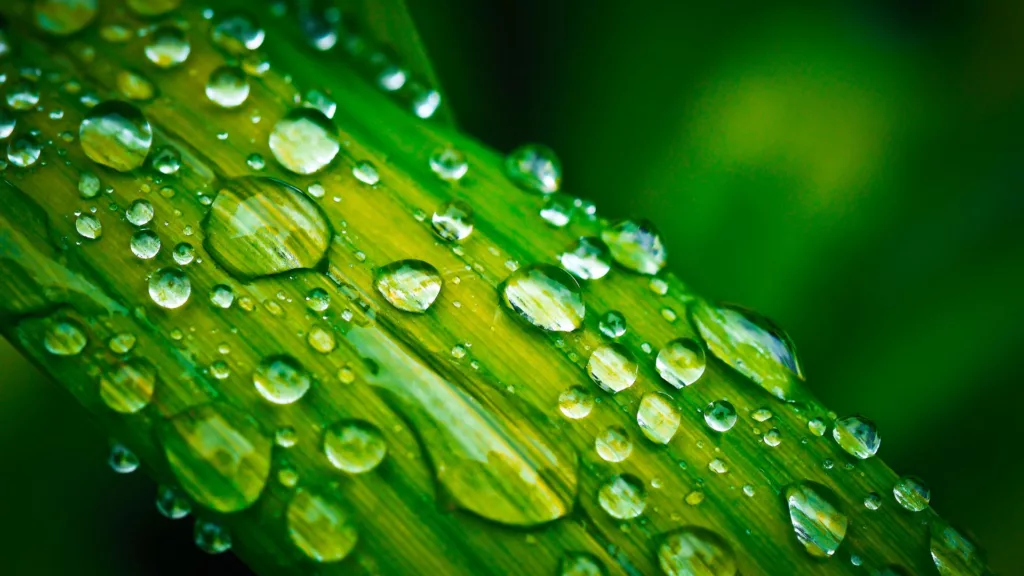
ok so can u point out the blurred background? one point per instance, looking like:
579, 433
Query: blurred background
852, 169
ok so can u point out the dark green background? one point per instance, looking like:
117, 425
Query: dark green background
851, 169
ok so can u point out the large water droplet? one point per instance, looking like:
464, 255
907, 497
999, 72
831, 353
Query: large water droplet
453, 221
139, 212
218, 455
304, 141
720, 415
227, 87
117, 135
281, 379
65, 337
211, 538
320, 527
128, 387
588, 260
953, 553
575, 402
857, 435
237, 34
612, 367
171, 503
613, 444
63, 17
694, 551
409, 285
658, 417
168, 47
534, 168
623, 497
545, 296
912, 493
750, 344
259, 226
354, 446
681, 362
169, 288
23, 150
817, 521
145, 244
636, 245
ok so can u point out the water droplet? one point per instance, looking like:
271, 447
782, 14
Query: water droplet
88, 185
693, 551
449, 164
184, 253
613, 444
354, 446
694, 498
211, 538
122, 460
588, 260
220, 370
534, 168
857, 435
117, 135
761, 415
237, 34
145, 244
65, 337
953, 553
320, 527
255, 161
63, 17
623, 497
169, 288
581, 564
259, 226
7, 124
135, 86
748, 490
772, 437
366, 173
718, 466
304, 141
139, 212
285, 437
750, 344
453, 221
612, 324
321, 340
88, 226
227, 87
912, 493
557, 209
545, 296
222, 296
681, 362
23, 150
281, 379
218, 455
873, 501
172, 503
22, 95
720, 415
425, 101
575, 402
658, 417
612, 367
128, 387
409, 285
817, 521
816, 426
168, 46
636, 245
152, 7
121, 343
318, 300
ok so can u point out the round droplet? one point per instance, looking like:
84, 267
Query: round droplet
613, 324
718, 466
227, 87
575, 402
816, 426
658, 417
65, 337
22, 95
857, 435
681, 362
237, 34
748, 490
545, 296
912, 493
635, 245
168, 46
873, 501
953, 553
623, 497
89, 226
285, 437
320, 527
117, 135
281, 379
366, 173
172, 503
184, 253
139, 212
321, 340
169, 288
211, 538
128, 387
318, 300
63, 17
581, 564
588, 260
121, 343
612, 367
453, 221
145, 244
761, 415
693, 551
409, 285
613, 444
260, 226
817, 521
166, 160
534, 168
23, 150
772, 437
720, 415
304, 141
135, 86
557, 209
122, 460
88, 185
449, 164
354, 446
152, 7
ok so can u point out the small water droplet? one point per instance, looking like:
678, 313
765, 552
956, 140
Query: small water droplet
211, 538
320, 527
7, 124
184, 253
128, 387
588, 260
285, 437
318, 300
321, 340
817, 521
658, 417
65, 337
693, 551
168, 46
366, 173
635, 245
63, 17
23, 150
720, 415
145, 244
88, 185
681, 362
761, 415
121, 343
873, 501
139, 212
453, 221
575, 402
117, 135
612, 324
545, 296
857, 435
152, 7
748, 490
534, 168
694, 498
409, 285
612, 367
222, 296
89, 226
912, 493
354, 446
255, 161
169, 288
953, 553
227, 87
281, 379
718, 466
772, 437
135, 86
449, 164
304, 141
613, 444
557, 209
581, 564
237, 34
623, 497
816, 426
122, 460
172, 503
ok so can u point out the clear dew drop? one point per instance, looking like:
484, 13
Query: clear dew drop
169, 288
816, 519
280, 379
117, 135
612, 367
139, 212
23, 150
237, 34
534, 168
318, 300
285, 437
635, 245
168, 46
259, 226
912, 493
63, 17
22, 95
613, 444
623, 497
89, 227
184, 253
873, 501
453, 221
772, 437
222, 296
408, 285
557, 209
545, 296
121, 343
135, 86
122, 460
166, 160
449, 164
321, 339
65, 337
612, 324
320, 527
88, 185
218, 454
211, 537
816, 426
761, 415
953, 553
304, 141
750, 344
693, 551
718, 466
172, 503
227, 87
581, 564
857, 435
145, 244
658, 417
681, 362
354, 446
128, 387
576, 402
152, 7
720, 416
366, 172
588, 260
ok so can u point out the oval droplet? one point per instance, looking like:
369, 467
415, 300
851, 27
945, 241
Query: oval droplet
453, 221
117, 135
172, 503
534, 168
128, 387
63, 17
912, 493
152, 7
88, 226
211, 537
354, 446
169, 288
857, 435
409, 285
817, 521
635, 245
613, 444
139, 212
953, 553
720, 415
320, 527
693, 551
612, 367
449, 164
23, 150
623, 497
122, 460
575, 402
281, 379
545, 296
65, 337
613, 324
237, 34
228, 87
168, 46
588, 260
145, 244
304, 141
581, 564
681, 362
658, 417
